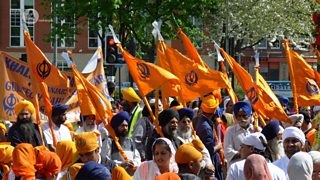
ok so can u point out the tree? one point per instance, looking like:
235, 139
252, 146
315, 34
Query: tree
245, 23
130, 18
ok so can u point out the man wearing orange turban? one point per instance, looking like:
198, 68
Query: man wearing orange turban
87, 146
48, 164
5, 159
206, 130
24, 130
130, 104
24, 161
68, 154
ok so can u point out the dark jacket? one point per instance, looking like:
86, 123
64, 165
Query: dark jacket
205, 132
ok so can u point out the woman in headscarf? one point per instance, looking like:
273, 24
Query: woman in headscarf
163, 161
68, 154
5, 159
24, 161
256, 167
300, 166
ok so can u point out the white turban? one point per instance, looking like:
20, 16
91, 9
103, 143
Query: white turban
315, 155
253, 139
295, 133
300, 166
296, 118
225, 102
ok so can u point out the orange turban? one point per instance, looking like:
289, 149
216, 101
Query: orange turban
187, 153
24, 105
119, 173
86, 141
24, 160
5, 158
209, 104
197, 143
48, 164
3, 128
168, 176
130, 95
74, 169
67, 152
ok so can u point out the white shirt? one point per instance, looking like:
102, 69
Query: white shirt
236, 172
62, 133
283, 164
233, 139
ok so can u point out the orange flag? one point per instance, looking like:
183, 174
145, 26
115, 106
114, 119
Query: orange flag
97, 100
304, 79
196, 80
147, 76
41, 69
168, 89
261, 98
190, 49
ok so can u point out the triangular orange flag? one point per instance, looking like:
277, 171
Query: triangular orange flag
304, 79
147, 76
261, 99
196, 81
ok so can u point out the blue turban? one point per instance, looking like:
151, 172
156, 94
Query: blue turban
167, 115
186, 112
59, 109
271, 130
118, 119
283, 100
93, 170
244, 106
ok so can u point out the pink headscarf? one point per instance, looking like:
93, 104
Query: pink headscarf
256, 167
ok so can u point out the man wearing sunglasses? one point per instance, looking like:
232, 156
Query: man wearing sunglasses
235, 134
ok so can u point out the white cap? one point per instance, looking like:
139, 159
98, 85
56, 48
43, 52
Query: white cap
253, 139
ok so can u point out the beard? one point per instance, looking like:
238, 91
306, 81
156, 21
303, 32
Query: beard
185, 134
121, 134
169, 133
277, 148
27, 129
89, 128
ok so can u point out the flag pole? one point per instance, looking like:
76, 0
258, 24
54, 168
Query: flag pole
293, 83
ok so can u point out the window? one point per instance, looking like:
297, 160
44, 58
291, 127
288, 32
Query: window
20, 12
262, 44
69, 40
93, 39
275, 44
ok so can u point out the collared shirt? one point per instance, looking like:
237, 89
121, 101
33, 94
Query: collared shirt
236, 171
283, 164
233, 139
62, 133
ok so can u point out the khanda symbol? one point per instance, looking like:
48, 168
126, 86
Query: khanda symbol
191, 78
143, 70
252, 95
43, 69
312, 87
8, 104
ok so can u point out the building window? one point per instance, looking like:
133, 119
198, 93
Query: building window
275, 44
262, 44
18, 10
93, 38
69, 40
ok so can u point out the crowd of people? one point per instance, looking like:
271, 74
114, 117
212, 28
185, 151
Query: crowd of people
211, 138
